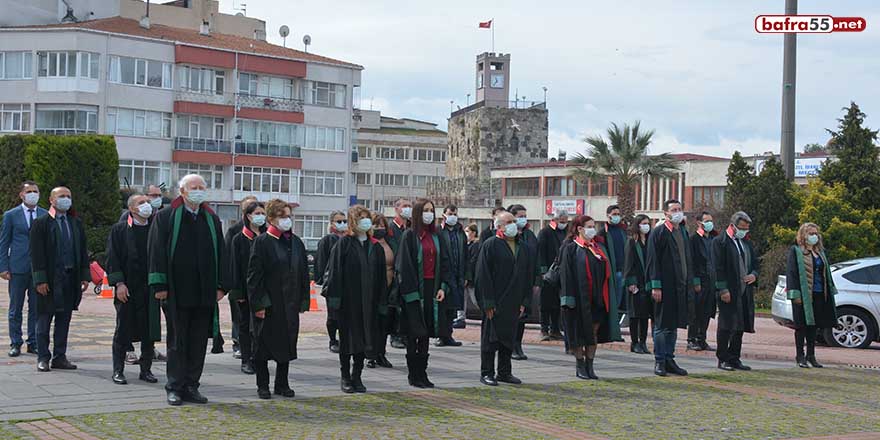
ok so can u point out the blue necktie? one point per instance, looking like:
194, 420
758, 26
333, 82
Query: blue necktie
30, 218
65, 231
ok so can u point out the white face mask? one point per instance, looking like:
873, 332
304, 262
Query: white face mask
341, 226
145, 210
63, 204
196, 196
427, 218
156, 203
644, 228
365, 224
406, 212
561, 226
589, 233
31, 199
521, 222
285, 224
258, 220
451, 220
676, 217
510, 230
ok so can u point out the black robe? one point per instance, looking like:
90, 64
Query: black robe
239, 258
582, 296
458, 268
487, 233
815, 309
739, 313
228, 239
531, 242
473, 250
704, 269
127, 263
638, 305
420, 310
356, 272
45, 234
278, 282
187, 258
504, 282
664, 265
322, 256
395, 234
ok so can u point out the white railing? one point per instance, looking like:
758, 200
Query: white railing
206, 97
269, 103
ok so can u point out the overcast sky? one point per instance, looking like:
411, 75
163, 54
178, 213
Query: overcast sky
695, 71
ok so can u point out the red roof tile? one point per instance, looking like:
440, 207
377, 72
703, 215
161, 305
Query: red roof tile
126, 26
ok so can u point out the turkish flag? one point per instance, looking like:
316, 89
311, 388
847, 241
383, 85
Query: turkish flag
486, 24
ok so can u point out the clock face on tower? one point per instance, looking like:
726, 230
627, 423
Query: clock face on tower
497, 82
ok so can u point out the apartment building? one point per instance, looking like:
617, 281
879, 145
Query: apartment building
395, 158
251, 117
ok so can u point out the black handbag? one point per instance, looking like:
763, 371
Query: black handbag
551, 278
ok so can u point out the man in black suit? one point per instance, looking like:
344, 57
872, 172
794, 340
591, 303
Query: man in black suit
60, 265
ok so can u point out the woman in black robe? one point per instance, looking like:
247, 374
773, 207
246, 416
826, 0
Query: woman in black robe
278, 291
253, 224
584, 296
351, 296
385, 291
422, 271
811, 291
638, 298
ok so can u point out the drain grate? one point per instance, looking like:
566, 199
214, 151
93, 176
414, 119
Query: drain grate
865, 367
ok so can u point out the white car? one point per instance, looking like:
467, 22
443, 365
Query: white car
857, 300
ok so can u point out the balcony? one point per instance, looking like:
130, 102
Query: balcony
206, 97
63, 131
268, 103
253, 148
202, 145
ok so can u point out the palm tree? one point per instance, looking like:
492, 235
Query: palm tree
623, 156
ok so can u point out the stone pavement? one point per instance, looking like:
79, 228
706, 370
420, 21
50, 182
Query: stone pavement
26, 394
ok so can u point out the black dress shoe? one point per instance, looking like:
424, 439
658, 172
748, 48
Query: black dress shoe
216, 349
518, 355
174, 399
644, 346
447, 342
334, 347
635, 348
581, 369
740, 366
459, 324
263, 393
508, 378
813, 362
725, 366
285, 392
372, 363
694, 346
119, 378
801, 362
193, 395
14, 351
147, 377
440, 343
358, 385
247, 368
489, 380
383, 362
673, 368
347, 387
31, 349
590, 372
660, 368
62, 364
43, 366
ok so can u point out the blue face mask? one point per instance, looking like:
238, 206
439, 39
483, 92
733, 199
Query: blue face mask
708, 226
615, 219
63, 204
258, 219
365, 224
510, 230
521, 222
812, 239
740, 233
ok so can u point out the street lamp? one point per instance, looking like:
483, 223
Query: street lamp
545, 93
468, 99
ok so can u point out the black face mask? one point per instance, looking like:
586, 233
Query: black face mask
379, 234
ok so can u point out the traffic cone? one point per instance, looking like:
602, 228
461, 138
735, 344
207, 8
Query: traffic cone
313, 298
106, 290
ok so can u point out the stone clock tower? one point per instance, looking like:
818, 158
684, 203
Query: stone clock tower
493, 79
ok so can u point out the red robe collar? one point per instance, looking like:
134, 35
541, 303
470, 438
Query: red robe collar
247, 232
277, 233
500, 234
668, 225
731, 232
596, 250
52, 212
553, 224
400, 222
130, 221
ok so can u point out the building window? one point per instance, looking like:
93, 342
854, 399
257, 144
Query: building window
269, 86
708, 197
599, 186
130, 122
64, 64
143, 173
392, 179
200, 127
523, 187
363, 178
322, 93
564, 186
136, 71
201, 80
15, 117
365, 152
67, 121
379, 205
429, 155
312, 227
259, 179
213, 174
324, 138
322, 183
16, 65
392, 153
425, 181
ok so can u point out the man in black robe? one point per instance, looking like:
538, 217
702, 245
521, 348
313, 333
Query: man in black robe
701, 308
456, 241
670, 276
493, 227
234, 312
521, 218
399, 224
736, 265
187, 271
504, 281
137, 312
550, 239
60, 267
338, 228
614, 237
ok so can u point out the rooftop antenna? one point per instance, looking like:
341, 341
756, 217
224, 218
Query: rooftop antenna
241, 7
284, 32
307, 40
69, 17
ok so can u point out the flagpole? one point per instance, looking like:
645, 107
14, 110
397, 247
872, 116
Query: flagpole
491, 23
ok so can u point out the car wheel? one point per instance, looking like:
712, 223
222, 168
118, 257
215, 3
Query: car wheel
856, 329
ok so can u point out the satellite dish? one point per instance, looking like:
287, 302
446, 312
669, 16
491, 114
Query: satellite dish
284, 31
239, 15
307, 40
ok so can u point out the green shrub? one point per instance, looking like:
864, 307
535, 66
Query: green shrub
12, 160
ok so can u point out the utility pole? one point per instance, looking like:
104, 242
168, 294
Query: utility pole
789, 74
